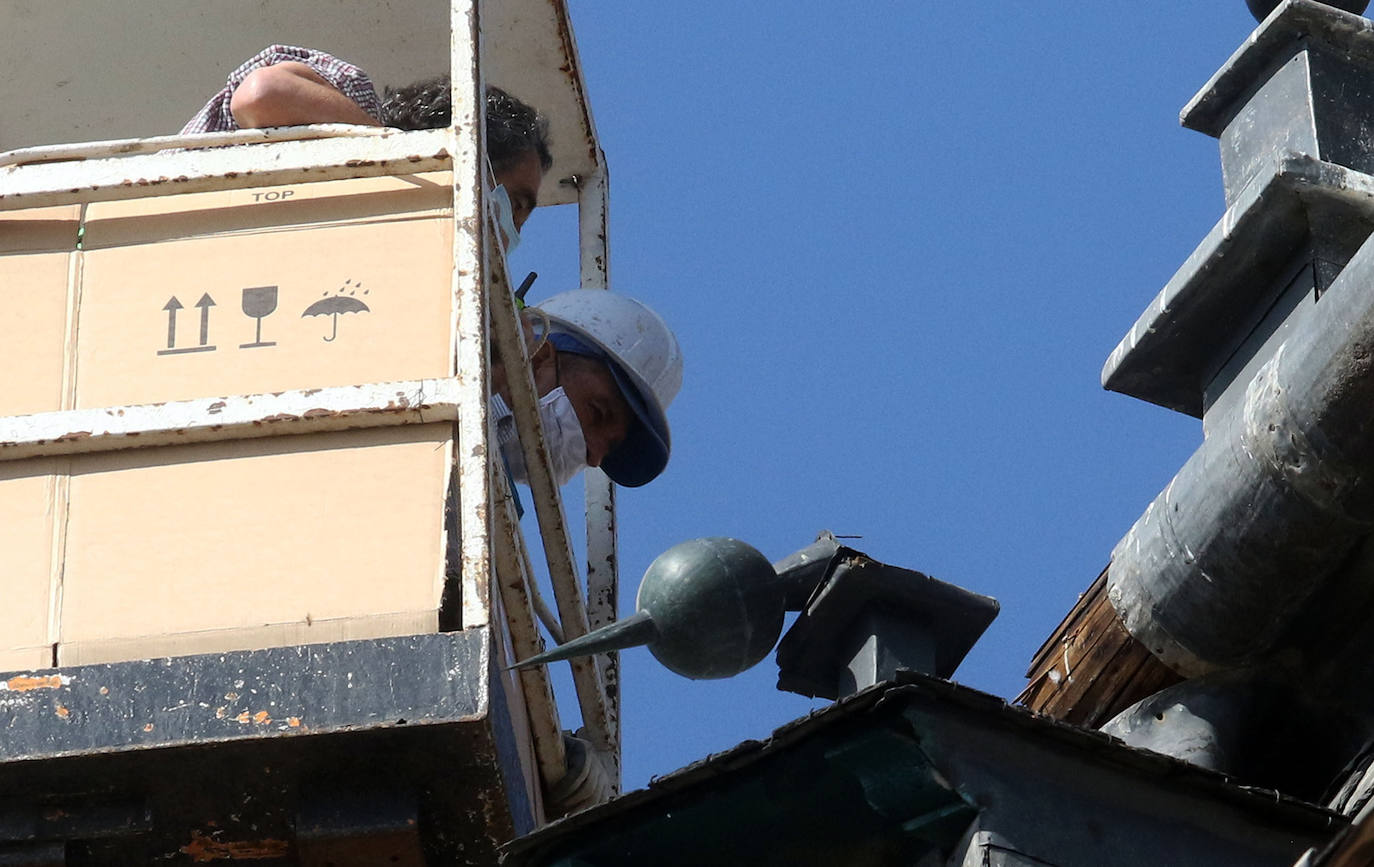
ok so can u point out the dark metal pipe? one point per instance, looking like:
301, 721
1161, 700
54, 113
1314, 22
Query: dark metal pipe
1269, 505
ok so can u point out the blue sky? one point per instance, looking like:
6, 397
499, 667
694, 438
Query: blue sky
897, 241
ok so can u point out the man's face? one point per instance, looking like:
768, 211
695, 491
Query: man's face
521, 181
602, 411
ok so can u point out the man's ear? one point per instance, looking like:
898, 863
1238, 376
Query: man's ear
544, 368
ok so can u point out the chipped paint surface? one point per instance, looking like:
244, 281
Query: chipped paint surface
226, 418
110, 175
155, 144
204, 847
603, 576
516, 584
572, 71
24, 683
563, 572
288, 691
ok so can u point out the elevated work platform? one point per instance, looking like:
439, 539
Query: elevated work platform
363, 752
264, 566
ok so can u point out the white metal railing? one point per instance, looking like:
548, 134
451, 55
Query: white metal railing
515, 582
118, 170
548, 507
603, 576
212, 419
485, 313
80, 151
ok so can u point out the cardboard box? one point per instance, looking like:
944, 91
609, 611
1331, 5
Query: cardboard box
254, 543
38, 270
250, 291
30, 500
40, 230
243, 543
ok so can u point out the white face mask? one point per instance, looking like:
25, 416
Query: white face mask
505, 217
562, 433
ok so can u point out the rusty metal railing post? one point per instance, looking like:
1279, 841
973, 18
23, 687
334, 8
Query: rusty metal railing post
603, 579
548, 507
470, 351
515, 577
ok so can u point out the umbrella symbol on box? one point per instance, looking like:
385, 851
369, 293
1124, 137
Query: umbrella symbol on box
338, 303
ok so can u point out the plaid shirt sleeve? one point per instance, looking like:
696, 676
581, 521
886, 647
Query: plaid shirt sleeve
348, 79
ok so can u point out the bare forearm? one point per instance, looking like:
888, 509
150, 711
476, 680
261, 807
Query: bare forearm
290, 94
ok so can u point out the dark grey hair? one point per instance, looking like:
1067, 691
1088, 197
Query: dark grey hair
514, 129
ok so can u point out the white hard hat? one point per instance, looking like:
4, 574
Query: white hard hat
647, 365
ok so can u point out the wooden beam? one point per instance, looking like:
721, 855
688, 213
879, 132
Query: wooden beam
1090, 669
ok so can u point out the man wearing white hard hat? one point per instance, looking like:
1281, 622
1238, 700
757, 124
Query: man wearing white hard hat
606, 367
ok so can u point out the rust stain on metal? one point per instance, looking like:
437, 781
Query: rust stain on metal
293, 721
281, 416
570, 71
24, 683
319, 413
104, 690
203, 847
62, 712
148, 727
74, 435
261, 717
242, 718
353, 164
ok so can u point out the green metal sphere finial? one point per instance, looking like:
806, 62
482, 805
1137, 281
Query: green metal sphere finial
707, 608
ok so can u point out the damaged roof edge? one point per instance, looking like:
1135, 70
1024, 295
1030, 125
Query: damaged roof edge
891, 700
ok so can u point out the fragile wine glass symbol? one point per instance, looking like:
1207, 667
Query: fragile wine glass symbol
258, 302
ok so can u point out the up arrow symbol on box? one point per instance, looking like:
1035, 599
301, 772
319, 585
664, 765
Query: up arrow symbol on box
172, 306
205, 303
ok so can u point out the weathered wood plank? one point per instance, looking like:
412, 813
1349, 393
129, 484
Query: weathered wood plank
1090, 668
